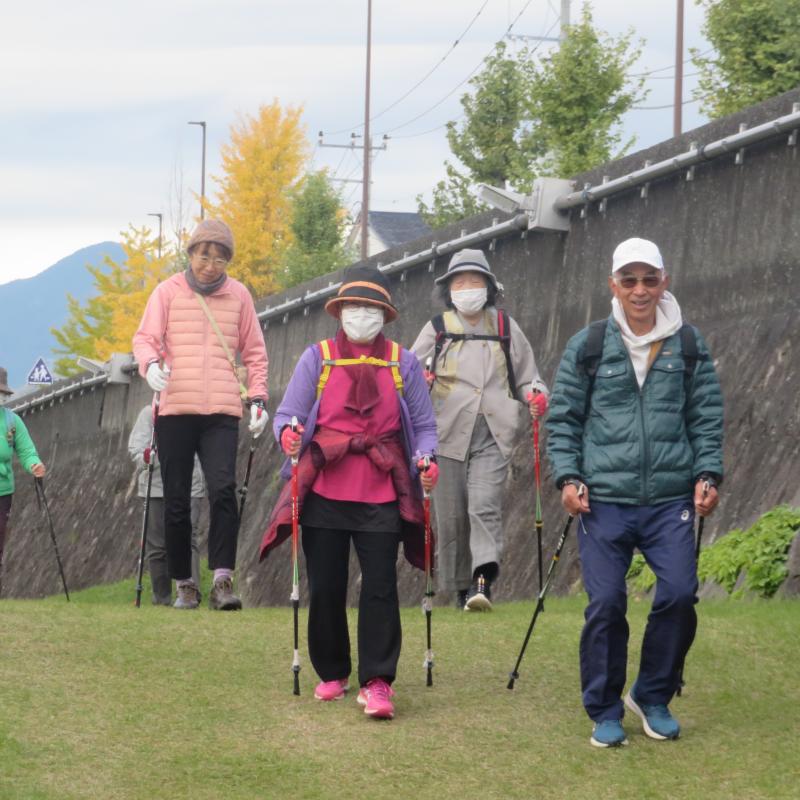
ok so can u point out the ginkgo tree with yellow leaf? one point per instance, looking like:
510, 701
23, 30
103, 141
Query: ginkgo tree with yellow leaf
108, 320
261, 165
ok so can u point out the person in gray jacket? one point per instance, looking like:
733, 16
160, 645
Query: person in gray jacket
480, 383
138, 449
635, 445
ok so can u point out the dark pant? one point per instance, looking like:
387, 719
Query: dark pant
5, 510
607, 537
379, 636
214, 437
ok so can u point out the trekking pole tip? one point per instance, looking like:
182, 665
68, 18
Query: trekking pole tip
511, 678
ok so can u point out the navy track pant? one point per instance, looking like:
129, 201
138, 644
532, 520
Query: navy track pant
607, 537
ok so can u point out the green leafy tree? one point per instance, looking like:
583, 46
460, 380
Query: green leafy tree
577, 97
318, 220
490, 143
108, 320
757, 53
559, 115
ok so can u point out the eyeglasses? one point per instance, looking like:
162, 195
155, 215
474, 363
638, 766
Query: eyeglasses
219, 263
630, 281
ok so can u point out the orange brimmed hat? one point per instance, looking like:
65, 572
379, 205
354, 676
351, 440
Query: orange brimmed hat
364, 285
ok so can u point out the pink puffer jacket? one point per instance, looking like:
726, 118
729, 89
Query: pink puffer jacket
175, 327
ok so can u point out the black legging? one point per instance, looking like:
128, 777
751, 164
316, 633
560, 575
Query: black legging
214, 437
327, 554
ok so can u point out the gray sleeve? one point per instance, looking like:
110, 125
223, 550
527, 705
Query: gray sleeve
423, 346
525, 369
140, 436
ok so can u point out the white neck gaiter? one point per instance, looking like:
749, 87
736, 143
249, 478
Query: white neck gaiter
361, 324
668, 320
469, 301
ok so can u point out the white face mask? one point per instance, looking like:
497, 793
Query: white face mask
361, 324
469, 301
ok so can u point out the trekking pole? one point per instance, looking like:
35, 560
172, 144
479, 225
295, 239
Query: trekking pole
42, 500
150, 466
538, 477
697, 541
295, 596
540, 601
243, 488
427, 601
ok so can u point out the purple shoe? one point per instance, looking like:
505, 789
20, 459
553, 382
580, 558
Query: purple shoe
331, 690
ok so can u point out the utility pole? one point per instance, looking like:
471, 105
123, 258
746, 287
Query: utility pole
202, 172
367, 145
677, 119
563, 24
160, 218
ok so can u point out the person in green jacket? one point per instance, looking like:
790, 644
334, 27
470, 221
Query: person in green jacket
14, 438
635, 444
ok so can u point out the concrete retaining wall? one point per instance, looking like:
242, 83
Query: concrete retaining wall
731, 240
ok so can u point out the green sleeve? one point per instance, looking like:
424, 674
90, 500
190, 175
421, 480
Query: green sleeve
23, 444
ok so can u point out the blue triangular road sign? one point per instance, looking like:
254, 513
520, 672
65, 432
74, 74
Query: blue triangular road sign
40, 373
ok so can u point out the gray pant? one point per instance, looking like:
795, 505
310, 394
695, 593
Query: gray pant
468, 502
157, 550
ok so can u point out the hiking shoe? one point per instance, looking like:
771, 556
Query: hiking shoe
331, 690
188, 595
222, 597
376, 697
608, 733
479, 596
658, 722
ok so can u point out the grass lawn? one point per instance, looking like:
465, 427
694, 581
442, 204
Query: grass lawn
101, 700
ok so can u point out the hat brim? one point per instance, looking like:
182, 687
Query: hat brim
468, 267
334, 306
643, 261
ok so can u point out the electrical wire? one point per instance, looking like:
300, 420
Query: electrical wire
671, 66
670, 105
423, 78
461, 83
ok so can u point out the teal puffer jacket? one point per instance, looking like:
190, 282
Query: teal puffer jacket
633, 446
22, 445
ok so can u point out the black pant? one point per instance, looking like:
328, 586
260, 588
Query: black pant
5, 510
379, 636
214, 437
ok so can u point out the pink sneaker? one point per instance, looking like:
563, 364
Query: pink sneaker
376, 699
331, 690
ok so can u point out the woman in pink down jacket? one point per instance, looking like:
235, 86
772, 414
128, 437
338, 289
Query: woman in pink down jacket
181, 353
366, 421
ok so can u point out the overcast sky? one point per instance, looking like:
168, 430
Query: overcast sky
95, 97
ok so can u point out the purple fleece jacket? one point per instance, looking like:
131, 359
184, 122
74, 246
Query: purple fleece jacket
416, 411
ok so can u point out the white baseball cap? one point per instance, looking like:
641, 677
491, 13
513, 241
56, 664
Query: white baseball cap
637, 251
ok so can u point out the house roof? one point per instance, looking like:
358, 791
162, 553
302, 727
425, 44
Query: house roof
397, 227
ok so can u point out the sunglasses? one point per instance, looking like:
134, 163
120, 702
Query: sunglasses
648, 281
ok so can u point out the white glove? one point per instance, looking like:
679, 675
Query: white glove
258, 420
157, 377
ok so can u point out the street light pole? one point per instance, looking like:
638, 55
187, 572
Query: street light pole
677, 119
367, 147
202, 172
160, 218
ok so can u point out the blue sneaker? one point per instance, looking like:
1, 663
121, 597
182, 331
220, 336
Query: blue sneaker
608, 733
658, 722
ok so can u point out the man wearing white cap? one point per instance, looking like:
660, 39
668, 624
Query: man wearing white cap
635, 442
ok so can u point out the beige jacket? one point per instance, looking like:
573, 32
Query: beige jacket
472, 379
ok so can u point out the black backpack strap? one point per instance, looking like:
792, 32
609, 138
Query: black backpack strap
438, 327
592, 355
504, 332
690, 353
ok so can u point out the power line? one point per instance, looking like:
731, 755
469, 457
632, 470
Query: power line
670, 105
424, 77
461, 83
671, 66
